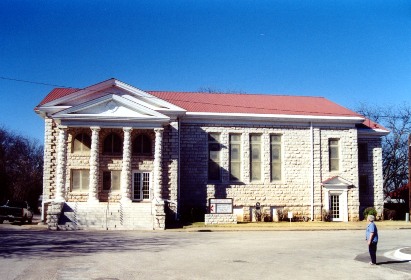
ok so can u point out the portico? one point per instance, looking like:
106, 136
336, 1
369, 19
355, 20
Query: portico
108, 150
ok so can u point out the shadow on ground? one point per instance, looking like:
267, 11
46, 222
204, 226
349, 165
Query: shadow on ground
32, 244
400, 265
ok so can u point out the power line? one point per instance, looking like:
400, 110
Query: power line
32, 82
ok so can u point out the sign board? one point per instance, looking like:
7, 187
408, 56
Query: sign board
221, 205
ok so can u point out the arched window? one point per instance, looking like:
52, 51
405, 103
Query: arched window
113, 144
142, 145
82, 143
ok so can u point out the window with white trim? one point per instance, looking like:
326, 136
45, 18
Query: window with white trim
235, 157
334, 154
80, 180
111, 180
141, 185
275, 142
255, 157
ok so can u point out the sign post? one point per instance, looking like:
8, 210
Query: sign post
290, 216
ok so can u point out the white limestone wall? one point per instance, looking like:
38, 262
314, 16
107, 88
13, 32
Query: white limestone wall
50, 159
293, 193
378, 180
170, 165
215, 219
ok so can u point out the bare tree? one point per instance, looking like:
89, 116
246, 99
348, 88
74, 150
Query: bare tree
397, 119
216, 90
21, 168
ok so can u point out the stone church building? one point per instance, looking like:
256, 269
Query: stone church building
117, 157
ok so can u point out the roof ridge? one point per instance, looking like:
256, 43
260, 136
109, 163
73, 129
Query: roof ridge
235, 93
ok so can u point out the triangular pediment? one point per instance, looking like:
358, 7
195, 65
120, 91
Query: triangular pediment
337, 182
110, 107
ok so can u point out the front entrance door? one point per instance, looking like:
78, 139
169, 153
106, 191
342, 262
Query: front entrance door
335, 207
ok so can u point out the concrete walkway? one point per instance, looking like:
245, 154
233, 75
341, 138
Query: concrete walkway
296, 226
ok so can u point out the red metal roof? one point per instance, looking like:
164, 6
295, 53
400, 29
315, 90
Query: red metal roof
57, 93
240, 103
373, 125
254, 103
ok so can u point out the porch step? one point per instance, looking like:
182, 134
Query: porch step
77, 216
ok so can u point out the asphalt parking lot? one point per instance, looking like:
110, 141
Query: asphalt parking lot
30, 253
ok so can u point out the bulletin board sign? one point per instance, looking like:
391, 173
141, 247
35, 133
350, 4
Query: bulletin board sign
221, 205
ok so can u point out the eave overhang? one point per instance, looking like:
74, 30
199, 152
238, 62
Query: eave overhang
372, 132
272, 117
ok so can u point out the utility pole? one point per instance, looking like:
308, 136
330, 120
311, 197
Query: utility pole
409, 172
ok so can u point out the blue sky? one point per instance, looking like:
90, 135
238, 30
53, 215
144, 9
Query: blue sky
350, 52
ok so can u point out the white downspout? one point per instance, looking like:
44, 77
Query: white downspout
312, 170
178, 170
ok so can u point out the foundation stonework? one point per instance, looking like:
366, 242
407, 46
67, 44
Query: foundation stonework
218, 219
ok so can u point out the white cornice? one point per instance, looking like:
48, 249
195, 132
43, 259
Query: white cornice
273, 117
114, 123
364, 132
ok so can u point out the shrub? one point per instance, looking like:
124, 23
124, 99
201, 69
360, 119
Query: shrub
283, 215
370, 211
390, 214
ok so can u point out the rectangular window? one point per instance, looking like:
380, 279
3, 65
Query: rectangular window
111, 180
255, 157
363, 184
334, 154
80, 180
235, 157
214, 153
141, 185
275, 142
362, 152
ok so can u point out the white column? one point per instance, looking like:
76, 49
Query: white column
61, 164
344, 205
157, 164
94, 165
126, 167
